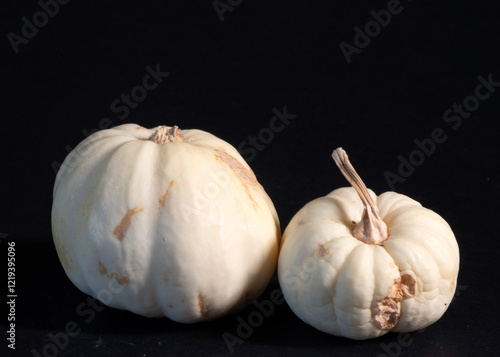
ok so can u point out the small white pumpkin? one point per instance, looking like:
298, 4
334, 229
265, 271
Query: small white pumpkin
356, 265
164, 223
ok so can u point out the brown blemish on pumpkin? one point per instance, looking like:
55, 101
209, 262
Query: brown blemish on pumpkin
102, 268
243, 173
166, 278
122, 227
301, 222
322, 251
121, 279
162, 199
387, 315
408, 285
204, 311
452, 285
387, 312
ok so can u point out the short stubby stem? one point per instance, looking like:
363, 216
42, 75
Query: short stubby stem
371, 229
164, 135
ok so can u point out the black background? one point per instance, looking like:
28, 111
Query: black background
226, 76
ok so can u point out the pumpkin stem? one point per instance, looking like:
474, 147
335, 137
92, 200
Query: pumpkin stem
164, 135
371, 229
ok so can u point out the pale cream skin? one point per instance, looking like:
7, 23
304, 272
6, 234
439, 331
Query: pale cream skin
164, 222
358, 289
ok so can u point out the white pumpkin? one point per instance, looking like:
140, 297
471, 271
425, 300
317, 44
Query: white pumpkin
356, 265
164, 223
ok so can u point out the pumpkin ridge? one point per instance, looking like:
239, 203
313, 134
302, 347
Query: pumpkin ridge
345, 220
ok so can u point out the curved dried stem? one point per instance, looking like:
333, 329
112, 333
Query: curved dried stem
371, 229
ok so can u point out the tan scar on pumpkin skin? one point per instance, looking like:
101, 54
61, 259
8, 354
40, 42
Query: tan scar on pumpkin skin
244, 173
204, 311
121, 228
121, 279
163, 198
387, 310
322, 251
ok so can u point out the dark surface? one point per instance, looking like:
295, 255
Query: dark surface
226, 77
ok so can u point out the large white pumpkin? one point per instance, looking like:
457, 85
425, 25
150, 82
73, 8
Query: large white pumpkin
164, 223
356, 265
